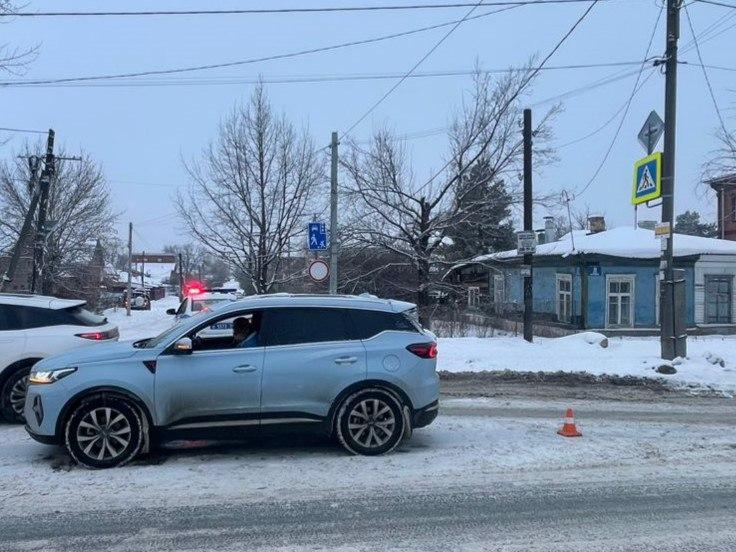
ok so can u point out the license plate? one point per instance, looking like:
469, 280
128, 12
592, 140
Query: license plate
222, 326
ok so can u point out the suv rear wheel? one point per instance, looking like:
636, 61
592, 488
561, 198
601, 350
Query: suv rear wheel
104, 432
370, 422
13, 395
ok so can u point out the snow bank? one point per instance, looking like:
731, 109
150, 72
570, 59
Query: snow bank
141, 323
624, 356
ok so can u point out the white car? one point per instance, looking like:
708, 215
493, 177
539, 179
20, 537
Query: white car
203, 301
34, 327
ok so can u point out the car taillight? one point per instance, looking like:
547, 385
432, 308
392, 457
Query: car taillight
423, 350
99, 336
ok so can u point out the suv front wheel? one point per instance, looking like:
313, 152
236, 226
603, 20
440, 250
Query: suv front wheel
104, 432
13, 395
370, 422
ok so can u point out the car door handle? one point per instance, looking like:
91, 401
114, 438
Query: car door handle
346, 360
244, 369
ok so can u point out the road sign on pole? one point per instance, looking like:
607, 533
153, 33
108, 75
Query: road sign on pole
647, 179
651, 132
318, 240
526, 242
319, 270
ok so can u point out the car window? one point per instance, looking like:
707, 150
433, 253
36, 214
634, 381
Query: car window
223, 333
289, 326
368, 323
24, 318
82, 317
183, 307
9, 320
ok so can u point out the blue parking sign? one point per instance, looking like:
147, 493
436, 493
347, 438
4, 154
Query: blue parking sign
318, 236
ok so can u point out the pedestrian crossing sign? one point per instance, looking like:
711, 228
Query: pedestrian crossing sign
647, 179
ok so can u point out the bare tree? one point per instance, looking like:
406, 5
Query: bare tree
414, 220
251, 193
13, 59
78, 213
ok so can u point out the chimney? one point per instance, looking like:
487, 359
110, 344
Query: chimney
550, 230
596, 223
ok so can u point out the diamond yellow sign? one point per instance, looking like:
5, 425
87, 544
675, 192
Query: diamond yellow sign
647, 179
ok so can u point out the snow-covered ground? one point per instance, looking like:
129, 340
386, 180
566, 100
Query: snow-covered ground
474, 451
624, 356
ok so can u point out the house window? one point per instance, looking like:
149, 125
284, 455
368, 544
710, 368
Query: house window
620, 301
718, 299
473, 296
564, 297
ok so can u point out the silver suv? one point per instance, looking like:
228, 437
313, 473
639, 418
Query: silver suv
358, 368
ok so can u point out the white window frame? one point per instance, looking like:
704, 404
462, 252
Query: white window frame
499, 289
473, 296
631, 278
562, 277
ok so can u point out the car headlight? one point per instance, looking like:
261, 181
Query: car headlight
49, 376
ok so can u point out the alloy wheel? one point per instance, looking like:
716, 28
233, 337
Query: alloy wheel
18, 395
104, 433
371, 423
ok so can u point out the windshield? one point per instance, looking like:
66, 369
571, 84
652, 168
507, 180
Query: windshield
207, 304
163, 337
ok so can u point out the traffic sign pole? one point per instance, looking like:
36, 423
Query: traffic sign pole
672, 327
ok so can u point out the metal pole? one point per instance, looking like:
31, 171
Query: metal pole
181, 279
130, 269
528, 282
334, 244
672, 337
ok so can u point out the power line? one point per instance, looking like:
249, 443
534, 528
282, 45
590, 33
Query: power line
626, 110
273, 57
264, 11
705, 72
533, 73
321, 78
416, 66
23, 130
717, 3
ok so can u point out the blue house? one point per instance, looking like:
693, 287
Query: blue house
607, 280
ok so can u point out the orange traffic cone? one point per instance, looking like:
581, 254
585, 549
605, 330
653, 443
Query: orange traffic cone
568, 427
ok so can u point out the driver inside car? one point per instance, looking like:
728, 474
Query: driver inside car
244, 333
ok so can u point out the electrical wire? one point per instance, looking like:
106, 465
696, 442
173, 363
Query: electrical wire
3, 129
250, 61
533, 73
717, 3
626, 110
262, 11
705, 72
416, 66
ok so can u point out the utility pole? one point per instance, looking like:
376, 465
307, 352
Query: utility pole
334, 244
39, 247
528, 282
130, 269
181, 279
672, 338
143, 271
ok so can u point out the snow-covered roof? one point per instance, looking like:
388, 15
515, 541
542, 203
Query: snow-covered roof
624, 241
156, 273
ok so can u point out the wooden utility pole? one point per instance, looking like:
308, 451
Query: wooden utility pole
130, 269
39, 246
673, 339
181, 279
334, 243
528, 257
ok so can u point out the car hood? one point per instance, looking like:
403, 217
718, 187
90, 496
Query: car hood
99, 352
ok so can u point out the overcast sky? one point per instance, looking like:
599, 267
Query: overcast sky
141, 133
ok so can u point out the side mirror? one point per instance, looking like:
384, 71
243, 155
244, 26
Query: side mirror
183, 346
172, 312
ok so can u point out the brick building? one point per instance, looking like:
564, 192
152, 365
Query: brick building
725, 188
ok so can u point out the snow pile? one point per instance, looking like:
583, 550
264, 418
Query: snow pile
143, 323
624, 356
624, 241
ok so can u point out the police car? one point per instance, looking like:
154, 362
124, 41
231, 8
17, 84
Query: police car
199, 300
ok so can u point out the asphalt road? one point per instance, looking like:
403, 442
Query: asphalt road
677, 515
